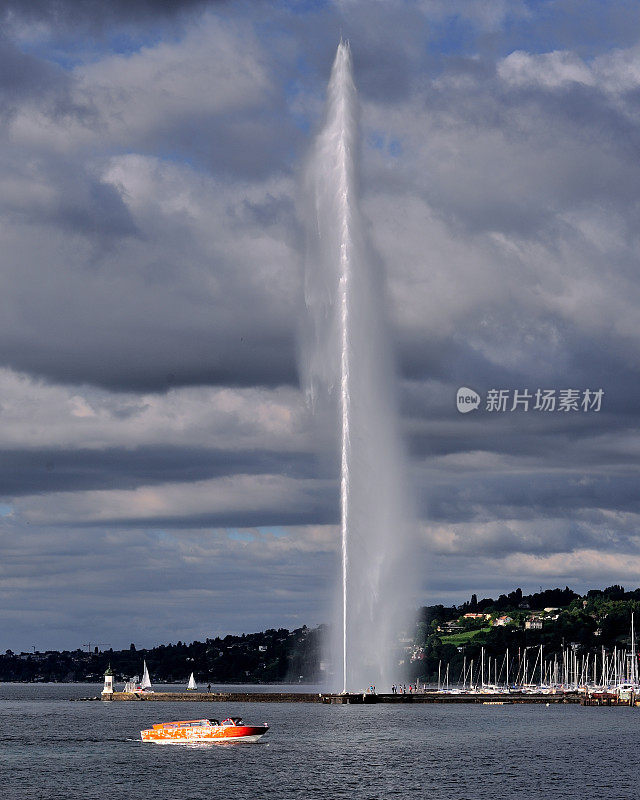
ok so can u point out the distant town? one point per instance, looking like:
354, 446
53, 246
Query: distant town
444, 639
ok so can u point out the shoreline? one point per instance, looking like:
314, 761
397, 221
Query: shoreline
337, 699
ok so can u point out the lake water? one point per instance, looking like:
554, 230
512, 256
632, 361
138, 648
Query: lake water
52, 748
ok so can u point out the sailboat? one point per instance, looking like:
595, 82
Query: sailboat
191, 686
627, 688
145, 684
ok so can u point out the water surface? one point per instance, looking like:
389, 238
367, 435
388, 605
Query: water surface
53, 748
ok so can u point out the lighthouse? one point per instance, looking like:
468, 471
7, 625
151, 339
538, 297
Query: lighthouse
107, 691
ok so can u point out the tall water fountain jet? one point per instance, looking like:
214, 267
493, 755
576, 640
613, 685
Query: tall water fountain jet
348, 360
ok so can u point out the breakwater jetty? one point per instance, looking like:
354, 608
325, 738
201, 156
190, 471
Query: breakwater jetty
211, 697
336, 699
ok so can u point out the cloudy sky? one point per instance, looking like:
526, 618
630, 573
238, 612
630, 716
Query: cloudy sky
160, 475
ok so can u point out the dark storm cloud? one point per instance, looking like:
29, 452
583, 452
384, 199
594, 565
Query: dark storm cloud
384, 74
56, 470
318, 509
74, 201
583, 361
543, 538
74, 573
23, 75
580, 145
26, 79
582, 25
72, 13
502, 494
243, 148
177, 354
452, 358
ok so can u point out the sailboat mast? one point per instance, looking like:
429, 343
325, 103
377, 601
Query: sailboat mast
541, 680
634, 661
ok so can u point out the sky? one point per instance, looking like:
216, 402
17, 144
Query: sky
161, 474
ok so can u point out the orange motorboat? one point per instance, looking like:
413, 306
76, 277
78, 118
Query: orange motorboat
204, 730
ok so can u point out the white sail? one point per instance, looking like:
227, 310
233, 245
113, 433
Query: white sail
146, 680
192, 682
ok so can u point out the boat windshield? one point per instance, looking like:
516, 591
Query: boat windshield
190, 723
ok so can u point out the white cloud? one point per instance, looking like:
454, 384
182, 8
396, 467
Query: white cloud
34, 415
216, 68
619, 70
584, 565
549, 70
613, 72
267, 494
